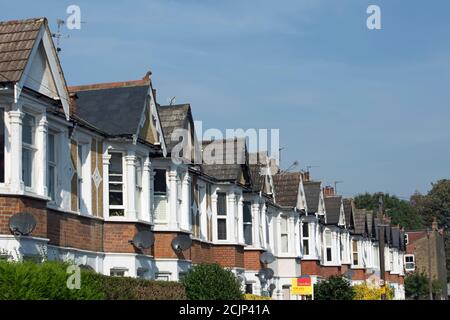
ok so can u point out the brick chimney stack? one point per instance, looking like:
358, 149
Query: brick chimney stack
328, 191
305, 176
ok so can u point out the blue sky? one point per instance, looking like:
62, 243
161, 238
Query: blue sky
370, 108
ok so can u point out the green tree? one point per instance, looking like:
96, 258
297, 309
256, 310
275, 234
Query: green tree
211, 282
400, 211
417, 284
436, 204
334, 288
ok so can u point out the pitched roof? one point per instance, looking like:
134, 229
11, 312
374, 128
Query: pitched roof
348, 212
17, 39
286, 187
258, 178
220, 163
359, 215
173, 117
114, 108
312, 195
333, 209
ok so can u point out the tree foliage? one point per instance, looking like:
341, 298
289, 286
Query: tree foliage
367, 291
400, 211
334, 288
211, 282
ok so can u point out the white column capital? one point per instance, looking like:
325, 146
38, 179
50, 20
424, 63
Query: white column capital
16, 116
130, 159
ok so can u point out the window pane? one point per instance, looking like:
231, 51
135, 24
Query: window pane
221, 204
115, 163
283, 225
51, 147
247, 212
248, 233
329, 254
115, 198
221, 229
284, 243
160, 181
51, 182
27, 159
305, 230
305, 247
28, 129
328, 238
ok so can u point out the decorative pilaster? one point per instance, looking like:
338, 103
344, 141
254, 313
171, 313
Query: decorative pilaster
186, 202
255, 223
41, 156
145, 213
214, 215
231, 217
241, 219
15, 117
130, 164
173, 216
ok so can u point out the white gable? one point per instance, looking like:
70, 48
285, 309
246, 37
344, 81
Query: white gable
39, 78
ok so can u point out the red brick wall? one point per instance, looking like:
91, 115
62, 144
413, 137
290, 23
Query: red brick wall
71, 230
359, 274
310, 267
202, 252
330, 271
229, 255
252, 261
9, 205
118, 234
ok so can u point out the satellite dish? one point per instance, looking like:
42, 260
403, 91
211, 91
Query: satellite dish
266, 273
272, 287
143, 240
267, 258
181, 242
22, 223
349, 274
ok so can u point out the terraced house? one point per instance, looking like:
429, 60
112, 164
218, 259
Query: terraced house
91, 169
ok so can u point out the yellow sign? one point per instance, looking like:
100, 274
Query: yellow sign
301, 286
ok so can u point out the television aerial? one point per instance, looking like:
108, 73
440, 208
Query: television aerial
181, 242
22, 223
143, 240
267, 258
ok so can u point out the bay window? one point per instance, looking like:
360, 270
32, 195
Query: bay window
328, 246
28, 149
247, 223
221, 216
51, 165
115, 174
284, 234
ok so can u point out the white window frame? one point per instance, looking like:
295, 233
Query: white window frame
114, 272
223, 217
327, 235
247, 223
358, 258
284, 234
84, 175
52, 164
405, 257
122, 182
305, 239
139, 170
31, 147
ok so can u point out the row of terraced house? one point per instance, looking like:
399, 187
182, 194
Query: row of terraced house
92, 164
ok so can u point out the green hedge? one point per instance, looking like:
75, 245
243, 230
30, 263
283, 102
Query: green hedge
48, 281
211, 282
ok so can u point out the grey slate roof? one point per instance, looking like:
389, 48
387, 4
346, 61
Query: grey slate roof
116, 111
224, 171
348, 212
312, 195
333, 209
359, 215
17, 38
173, 117
395, 237
286, 187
